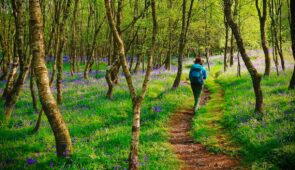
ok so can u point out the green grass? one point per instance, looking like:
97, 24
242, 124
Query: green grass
207, 128
100, 128
263, 138
264, 141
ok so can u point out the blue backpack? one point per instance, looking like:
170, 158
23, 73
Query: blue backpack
196, 74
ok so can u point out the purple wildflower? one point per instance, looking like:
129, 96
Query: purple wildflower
66, 58
31, 161
51, 164
157, 109
66, 153
146, 158
105, 60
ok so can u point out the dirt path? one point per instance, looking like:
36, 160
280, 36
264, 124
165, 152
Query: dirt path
194, 155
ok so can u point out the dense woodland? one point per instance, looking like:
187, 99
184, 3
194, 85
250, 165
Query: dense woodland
92, 84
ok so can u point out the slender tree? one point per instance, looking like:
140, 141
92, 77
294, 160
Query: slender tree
73, 57
226, 45
292, 27
6, 36
256, 77
170, 30
136, 99
63, 39
13, 87
262, 20
275, 15
182, 40
59, 128
91, 51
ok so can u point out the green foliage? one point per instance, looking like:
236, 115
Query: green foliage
207, 128
266, 141
100, 129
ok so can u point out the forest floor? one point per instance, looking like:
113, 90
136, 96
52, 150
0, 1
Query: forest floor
101, 128
194, 155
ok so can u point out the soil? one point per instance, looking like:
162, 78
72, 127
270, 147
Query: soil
194, 155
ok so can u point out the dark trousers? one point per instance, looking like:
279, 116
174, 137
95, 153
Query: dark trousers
197, 90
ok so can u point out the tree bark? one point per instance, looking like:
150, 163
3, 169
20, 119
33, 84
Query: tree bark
292, 26
136, 100
226, 45
256, 77
182, 41
73, 57
13, 92
262, 20
91, 52
59, 128
181, 47
63, 39
32, 89
168, 57
232, 49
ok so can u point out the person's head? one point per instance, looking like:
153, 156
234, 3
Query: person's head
198, 60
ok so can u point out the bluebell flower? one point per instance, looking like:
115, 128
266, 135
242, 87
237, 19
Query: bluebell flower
51, 164
31, 161
157, 109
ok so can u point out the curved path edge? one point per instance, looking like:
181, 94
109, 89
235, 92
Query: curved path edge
194, 156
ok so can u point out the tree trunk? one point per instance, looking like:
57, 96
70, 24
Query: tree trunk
73, 57
292, 26
91, 52
133, 156
32, 89
256, 77
136, 100
60, 130
59, 62
168, 57
232, 49
54, 65
181, 47
207, 57
11, 77
226, 45
182, 41
13, 92
262, 20
280, 35
141, 54
239, 65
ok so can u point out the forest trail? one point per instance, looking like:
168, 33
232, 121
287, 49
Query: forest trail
194, 155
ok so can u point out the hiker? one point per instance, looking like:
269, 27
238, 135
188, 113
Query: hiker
197, 76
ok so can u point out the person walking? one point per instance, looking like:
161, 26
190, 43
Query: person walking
197, 76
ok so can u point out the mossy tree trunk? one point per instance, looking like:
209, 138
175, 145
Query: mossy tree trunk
256, 77
63, 39
59, 128
92, 49
262, 20
32, 89
6, 36
225, 46
14, 86
182, 41
136, 99
170, 30
73, 57
292, 25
